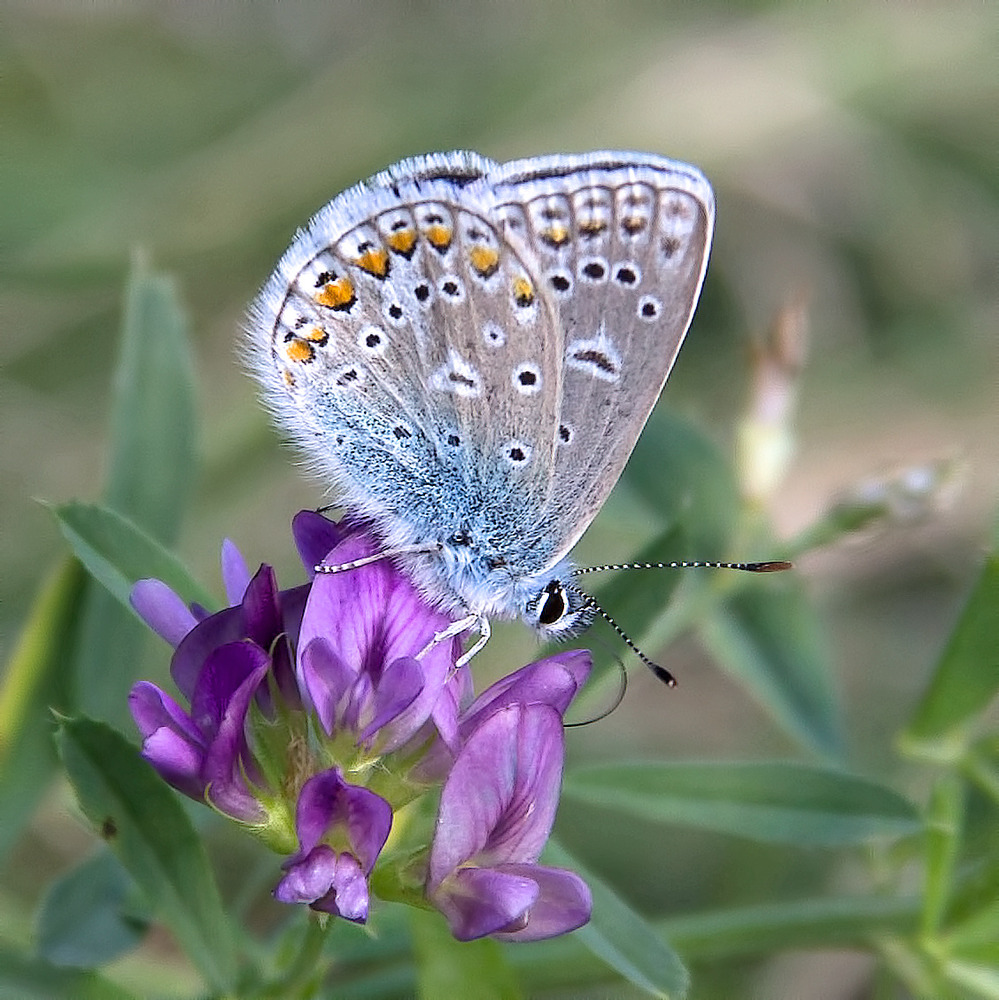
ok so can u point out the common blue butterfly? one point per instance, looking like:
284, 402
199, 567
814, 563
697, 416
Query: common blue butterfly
469, 350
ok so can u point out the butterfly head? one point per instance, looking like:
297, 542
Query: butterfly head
558, 610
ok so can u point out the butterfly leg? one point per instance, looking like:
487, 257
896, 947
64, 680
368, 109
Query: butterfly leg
478, 622
401, 550
482, 624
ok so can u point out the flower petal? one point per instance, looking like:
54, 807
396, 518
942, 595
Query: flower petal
447, 708
292, 608
563, 904
170, 740
327, 802
498, 802
190, 656
324, 679
224, 672
235, 573
162, 610
348, 896
443, 687
400, 685
153, 709
481, 901
261, 609
530, 814
552, 681
373, 615
309, 878
314, 536
433, 767
177, 761
283, 674
228, 760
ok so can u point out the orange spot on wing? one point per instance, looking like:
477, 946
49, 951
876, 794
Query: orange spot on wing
523, 291
317, 335
402, 241
555, 235
439, 236
338, 294
375, 262
485, 260
299, 351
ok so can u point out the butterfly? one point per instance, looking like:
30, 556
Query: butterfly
469, 351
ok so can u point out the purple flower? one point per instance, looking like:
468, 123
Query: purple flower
552, 681
317, 712
330, 810
220, 664
496, 812
204, 754
368, 661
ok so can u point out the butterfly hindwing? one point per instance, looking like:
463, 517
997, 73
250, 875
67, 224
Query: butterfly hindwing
622, 246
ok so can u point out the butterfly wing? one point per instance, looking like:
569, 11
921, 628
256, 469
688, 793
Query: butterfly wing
402, 343
460, 344
621, 243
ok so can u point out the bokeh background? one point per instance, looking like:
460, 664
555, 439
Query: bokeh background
854, 149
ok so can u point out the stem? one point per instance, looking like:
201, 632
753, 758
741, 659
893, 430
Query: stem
306, 969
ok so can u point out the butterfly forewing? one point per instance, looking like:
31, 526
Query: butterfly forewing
414, 344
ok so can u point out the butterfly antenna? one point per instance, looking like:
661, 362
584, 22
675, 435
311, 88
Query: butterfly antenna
621, 690
774, 566
660, 672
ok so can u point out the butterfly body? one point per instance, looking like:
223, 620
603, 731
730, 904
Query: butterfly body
469, 350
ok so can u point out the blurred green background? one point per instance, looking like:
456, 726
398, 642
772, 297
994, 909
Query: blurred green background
854, 149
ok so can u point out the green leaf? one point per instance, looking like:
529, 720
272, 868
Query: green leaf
151, 468
766, 635
90, 915
785, 803
35, 682
684, 479
145, 826
29, 978
107, 654
860, 922
975, 978
118, 553
980, 929
635, 600
829, 922
152, 417
106, 657
944, 821
472, 970
966, 679
975, 886
917, 970
981, 766
621, 938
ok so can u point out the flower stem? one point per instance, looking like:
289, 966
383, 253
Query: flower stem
306, 969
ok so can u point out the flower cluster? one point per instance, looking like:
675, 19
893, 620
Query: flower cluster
331, 721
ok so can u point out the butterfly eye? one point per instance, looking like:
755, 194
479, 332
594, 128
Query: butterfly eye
554, 605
